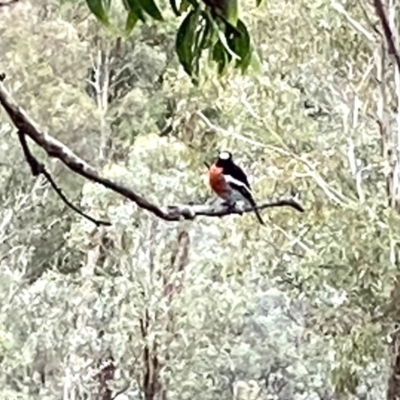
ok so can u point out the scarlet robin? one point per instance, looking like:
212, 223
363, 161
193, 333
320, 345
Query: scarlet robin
230, 183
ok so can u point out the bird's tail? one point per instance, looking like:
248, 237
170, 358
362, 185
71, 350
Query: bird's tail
254, 205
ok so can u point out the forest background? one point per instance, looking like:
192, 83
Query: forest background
305, 307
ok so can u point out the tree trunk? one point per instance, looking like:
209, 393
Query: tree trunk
390, 135
393, 392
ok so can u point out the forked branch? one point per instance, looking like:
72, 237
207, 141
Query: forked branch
56, 149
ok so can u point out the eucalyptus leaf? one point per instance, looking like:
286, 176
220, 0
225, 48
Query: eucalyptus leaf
151, 8
131, 21
137, 9
239, 42
175, 8
185, 41
99, 8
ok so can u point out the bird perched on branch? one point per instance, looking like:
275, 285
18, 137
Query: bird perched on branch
230, 183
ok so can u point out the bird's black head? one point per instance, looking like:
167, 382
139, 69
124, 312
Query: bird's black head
224, 158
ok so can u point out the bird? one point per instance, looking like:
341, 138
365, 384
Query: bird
230, 183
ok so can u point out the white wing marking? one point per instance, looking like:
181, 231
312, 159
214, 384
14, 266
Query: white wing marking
231, 179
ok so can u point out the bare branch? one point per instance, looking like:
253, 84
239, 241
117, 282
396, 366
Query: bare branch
56, 149
389, 35
221, 210
8, 3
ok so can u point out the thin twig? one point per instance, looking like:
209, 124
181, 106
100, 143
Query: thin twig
8, 3
123, 390
38, 168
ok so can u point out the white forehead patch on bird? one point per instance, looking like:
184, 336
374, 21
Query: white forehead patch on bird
224, 155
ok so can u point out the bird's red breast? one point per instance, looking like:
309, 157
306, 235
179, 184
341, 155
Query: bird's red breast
217, 181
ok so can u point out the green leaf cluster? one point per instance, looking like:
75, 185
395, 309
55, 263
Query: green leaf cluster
209, 26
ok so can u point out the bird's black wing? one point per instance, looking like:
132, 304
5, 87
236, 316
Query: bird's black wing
246, 193
242, 188
238, 174
239, 182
